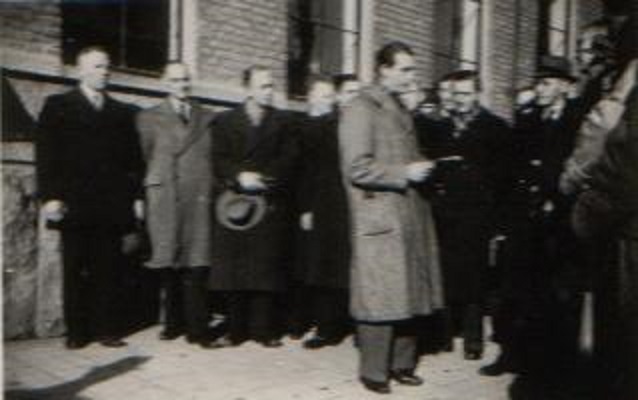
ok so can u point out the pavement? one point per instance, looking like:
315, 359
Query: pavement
150, 369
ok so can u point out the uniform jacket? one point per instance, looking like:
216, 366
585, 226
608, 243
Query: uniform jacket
254, 259
395, 265
178, 185
89, 159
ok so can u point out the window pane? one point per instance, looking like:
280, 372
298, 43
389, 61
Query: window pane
146, 33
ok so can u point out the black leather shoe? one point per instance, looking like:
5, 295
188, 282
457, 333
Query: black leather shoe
406, 377
167, 334
271, 343
374, 386
113, 343
499, 367
209, 344
76, 344
473, 355
317, 342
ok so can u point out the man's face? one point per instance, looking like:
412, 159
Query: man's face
348, 91
465, 96
446, 96
399, 77
322, 97
261, 87
586, 54
178, 80
550, 90
93, 69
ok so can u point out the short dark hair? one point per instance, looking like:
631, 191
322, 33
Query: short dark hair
466, 75
387, 54
340, 79
90, 49
247, 74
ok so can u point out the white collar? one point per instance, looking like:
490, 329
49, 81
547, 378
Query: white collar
90, 93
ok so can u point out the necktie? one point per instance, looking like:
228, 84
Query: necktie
183, 112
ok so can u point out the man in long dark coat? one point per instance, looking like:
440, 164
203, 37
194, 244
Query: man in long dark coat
254, 153
176, 144
89, 169
324, 270
463, 192
395, 269
540, 252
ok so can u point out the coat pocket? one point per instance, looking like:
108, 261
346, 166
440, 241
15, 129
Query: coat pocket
375, 215
152, 180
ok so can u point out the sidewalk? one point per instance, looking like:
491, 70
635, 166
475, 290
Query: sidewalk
150, 369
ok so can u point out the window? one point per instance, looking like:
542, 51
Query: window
458, 30
323, 39
554, 29
134, 32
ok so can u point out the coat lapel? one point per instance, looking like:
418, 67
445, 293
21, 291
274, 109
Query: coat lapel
176, 128
264, 130
397, 113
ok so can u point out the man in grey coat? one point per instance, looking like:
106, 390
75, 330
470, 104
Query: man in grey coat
395, 270
176, 145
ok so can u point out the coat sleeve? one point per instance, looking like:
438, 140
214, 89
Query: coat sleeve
146, 136
226, 167
590, 144
361, 163
50, 152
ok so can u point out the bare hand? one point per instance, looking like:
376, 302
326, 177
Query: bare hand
54, 210
139, 210
419, 171
251, 181
306, 221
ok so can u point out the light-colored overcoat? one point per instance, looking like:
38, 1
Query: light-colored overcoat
178, 185
395, 271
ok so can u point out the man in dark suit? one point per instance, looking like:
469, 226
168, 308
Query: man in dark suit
324, 270
176, 144
539, 252
89, 166
471, 144
254, 154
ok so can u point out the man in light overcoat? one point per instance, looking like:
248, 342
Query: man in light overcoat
395, 269
176, 144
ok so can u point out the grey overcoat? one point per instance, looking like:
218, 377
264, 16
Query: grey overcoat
395, 271
178, 185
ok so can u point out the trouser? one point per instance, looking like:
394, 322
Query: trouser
326, 308
185, 301
385, 347
93, 265
252, 315
468, 319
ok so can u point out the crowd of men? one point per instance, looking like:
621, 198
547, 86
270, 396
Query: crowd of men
381, 211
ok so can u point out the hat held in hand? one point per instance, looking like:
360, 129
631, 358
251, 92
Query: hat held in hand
238, 211
555, 67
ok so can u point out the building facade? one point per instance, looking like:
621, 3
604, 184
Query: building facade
502, 39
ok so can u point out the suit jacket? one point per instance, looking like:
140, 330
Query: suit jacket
395, 266
90, 159
254, 259
178, 184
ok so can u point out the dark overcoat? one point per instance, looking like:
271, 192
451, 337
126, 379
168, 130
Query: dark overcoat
178, 185
89, 159
254, 259
464, 194
325, 260
395, 264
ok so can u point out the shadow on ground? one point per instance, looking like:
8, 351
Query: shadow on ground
71, 390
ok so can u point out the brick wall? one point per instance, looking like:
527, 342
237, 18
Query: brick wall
32, 27
410, 21
236, 34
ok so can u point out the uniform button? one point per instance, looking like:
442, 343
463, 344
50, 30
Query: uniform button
536, 163
534, 189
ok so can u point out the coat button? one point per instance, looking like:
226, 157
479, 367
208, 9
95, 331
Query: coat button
536, 162
534, 189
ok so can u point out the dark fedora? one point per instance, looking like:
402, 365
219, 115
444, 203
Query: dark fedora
238, 211
555, 67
